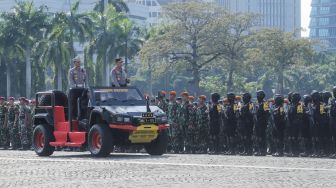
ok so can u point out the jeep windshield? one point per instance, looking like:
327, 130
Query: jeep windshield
118, 96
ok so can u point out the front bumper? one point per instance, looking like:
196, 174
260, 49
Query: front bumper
142, 133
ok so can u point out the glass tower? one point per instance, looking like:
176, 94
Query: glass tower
323, 22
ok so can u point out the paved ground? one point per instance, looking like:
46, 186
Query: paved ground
74, 169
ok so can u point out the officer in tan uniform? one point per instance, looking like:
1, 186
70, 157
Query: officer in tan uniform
77, 75
118, 74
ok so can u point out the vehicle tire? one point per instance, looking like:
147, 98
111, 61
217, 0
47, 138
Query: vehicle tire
100, 140
60, 100
42, 136
159, 145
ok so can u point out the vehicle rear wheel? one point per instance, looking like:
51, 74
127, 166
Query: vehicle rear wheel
42, 136
100, 141
159, 145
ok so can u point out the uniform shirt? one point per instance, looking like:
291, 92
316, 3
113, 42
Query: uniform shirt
77, 77
118, 77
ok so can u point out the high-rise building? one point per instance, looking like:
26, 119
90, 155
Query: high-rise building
323, 22
281, 14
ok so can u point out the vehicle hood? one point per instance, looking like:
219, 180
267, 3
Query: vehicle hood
133, 110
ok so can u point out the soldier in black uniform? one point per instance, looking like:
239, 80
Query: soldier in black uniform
332, 115
278, 116
295, 118
305, 134
261, 116
318, 114
230, 122
326, 141
215, 122
245, 123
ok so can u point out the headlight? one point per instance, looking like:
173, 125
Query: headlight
120, 119
164, 118
127, 119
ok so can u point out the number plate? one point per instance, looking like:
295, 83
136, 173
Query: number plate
149, 120
147, 115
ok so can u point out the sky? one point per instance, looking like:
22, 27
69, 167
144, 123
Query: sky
305, 12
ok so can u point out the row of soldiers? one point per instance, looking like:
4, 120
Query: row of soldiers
16, 123
294, 126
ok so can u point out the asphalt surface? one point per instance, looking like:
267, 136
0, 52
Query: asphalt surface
79, 169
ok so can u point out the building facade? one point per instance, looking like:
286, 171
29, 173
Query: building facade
323, 22
281, 14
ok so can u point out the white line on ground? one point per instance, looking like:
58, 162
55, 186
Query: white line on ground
168, 164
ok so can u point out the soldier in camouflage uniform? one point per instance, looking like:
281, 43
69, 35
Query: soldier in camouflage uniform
191, 127
4, 132
183, 118
172, 120
162, 103
24, 118
202, 120
13, 113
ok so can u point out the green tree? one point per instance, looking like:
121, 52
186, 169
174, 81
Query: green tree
190, 37
280, 51
29, 22
105, 41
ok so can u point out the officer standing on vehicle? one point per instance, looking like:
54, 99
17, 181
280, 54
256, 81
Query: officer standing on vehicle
77, 75
118, 74
13, 115
4, 133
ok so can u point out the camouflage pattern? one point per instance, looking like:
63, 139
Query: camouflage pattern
163, 105
191, 129
183, 118
13, 113
4, 131
202, 120
24, 127
172, 120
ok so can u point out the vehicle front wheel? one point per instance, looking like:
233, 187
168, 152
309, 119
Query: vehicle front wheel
159, 145
100, 140
42, 136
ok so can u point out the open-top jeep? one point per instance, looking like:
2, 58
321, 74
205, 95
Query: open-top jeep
99, 118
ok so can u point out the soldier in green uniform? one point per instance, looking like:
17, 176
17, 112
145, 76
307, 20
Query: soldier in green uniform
172, 120
13, 113
183, 118
24, 118
191, 126
4, 133
202, 120
162, 103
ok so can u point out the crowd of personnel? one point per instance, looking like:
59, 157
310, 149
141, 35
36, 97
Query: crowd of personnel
293, 126
16, 123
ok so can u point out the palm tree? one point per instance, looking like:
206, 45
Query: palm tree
29, 22
131, 39
105, 40
57, 48
119, 5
